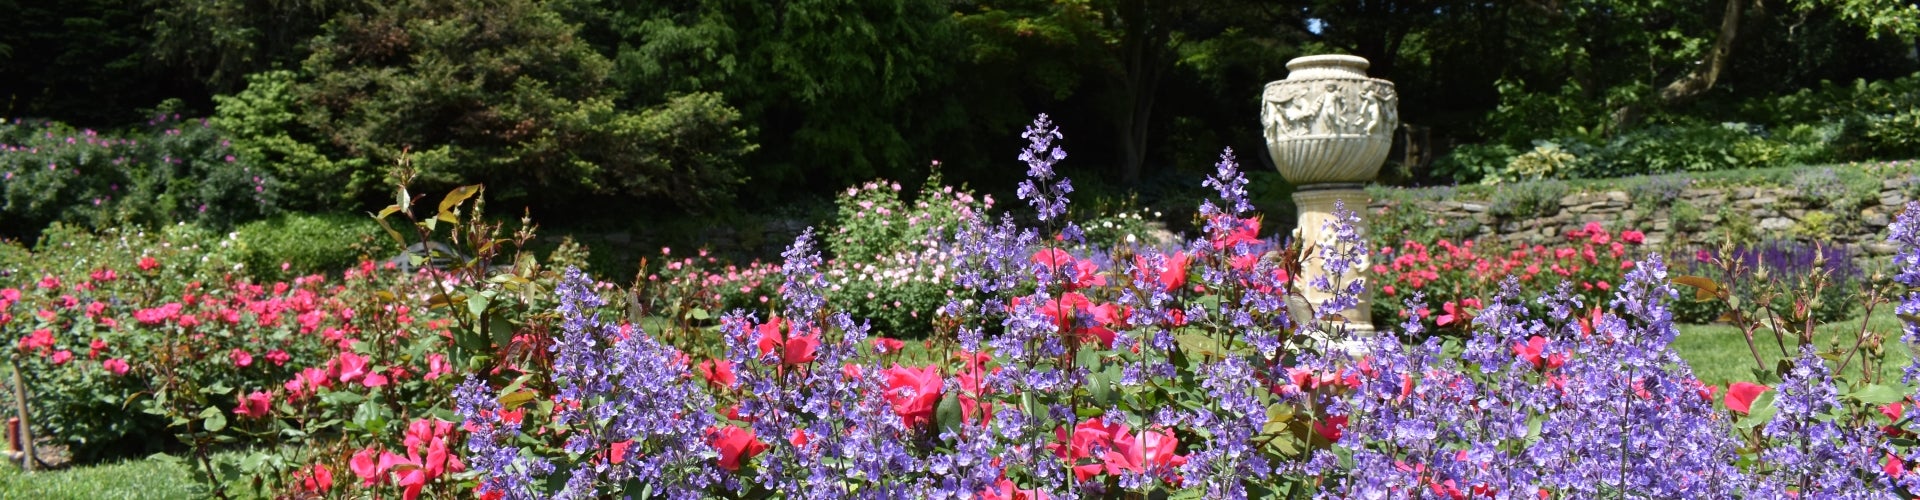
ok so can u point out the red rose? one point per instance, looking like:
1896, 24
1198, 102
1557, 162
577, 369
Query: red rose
1740, 396
913, 392
717, 372
256, 405
736, 446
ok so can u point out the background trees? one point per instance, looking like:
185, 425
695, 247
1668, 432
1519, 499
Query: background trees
696, 104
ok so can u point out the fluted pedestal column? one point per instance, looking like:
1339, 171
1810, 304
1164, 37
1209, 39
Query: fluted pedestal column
1316, 205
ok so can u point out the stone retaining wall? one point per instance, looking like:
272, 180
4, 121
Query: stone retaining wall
1694, 216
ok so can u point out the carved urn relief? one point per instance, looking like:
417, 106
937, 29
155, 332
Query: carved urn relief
1328, 122
1329, 128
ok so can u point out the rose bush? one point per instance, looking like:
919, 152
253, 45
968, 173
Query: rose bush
1454, 280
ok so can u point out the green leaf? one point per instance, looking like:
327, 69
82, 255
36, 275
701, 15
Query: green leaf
1760, 412
699, 314
1087, 358
342, 398
213, 419
1199, 344
1877, 394
1101, 388
370, 416
477, 304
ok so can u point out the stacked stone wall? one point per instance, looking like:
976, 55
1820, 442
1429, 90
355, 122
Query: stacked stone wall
1695, 217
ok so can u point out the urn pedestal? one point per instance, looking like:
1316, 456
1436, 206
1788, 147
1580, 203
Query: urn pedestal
1328, 128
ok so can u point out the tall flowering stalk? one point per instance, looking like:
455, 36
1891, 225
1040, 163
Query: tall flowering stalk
809, 395
1904, 234
628, 404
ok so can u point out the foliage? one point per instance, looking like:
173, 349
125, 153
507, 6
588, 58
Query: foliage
223, 43
830, 106
1735, 226
301, 244
172, 170
1546, 161
891, 255
229, 362
1528, 199
504, 93
85, 63
1861, 119
1475, 162
1660, 191
1184, 364
1685, 148
1649, 150
263, 120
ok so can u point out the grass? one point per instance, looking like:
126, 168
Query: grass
1719, 353
159, 478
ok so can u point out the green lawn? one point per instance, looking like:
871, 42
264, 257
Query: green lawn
1719, 353
153, 479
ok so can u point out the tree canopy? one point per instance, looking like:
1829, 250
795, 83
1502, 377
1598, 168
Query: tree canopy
693, 103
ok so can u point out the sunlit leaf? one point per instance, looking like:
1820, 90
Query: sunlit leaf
516, 399
455, 198
1703, 288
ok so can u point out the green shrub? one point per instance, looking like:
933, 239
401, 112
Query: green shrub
888, 252
1656, 192
1858, 120
1736, 226
173, 170
1663, 149
507, 94
1816, 225
1471, 163
1684, 216
262, 119
1528, 199
85, 410
1547, 160
308, 244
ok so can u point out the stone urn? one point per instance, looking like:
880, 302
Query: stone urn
1328, 122
1329, 128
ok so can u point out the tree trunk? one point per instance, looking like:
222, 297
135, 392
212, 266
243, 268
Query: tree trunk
1705, 72
1143, 46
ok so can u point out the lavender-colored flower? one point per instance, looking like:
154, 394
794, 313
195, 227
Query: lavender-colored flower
1905, 236
617, 385
1808, 451
1047, 195
1231, 184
